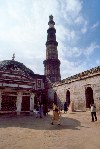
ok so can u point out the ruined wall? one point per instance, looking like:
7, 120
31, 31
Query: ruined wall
77, 92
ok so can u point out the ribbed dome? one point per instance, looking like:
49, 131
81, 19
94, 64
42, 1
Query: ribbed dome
15, 65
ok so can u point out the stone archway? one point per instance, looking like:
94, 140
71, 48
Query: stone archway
55, 98
89, 97
68, 97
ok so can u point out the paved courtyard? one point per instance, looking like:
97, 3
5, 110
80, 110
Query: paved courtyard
27, 132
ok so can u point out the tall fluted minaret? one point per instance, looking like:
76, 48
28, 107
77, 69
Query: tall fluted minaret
52, 63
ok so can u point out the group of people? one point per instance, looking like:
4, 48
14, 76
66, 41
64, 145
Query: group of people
41, 110
57, 112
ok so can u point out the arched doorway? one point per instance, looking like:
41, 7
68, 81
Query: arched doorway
89, 97
55, 98
68, 97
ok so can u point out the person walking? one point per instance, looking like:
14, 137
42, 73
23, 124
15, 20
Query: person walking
65, 107
45, 109
40, 110
37, 110
93, 112
56, 114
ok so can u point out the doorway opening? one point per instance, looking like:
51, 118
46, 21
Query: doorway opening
55, 98
89, 97
25, 103
68, 97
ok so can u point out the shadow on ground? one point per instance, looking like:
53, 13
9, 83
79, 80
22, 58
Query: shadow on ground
31, 122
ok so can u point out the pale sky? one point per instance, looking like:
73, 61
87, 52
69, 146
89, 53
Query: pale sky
23, 31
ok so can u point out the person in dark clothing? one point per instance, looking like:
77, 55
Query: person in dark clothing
45, 109
65, 107
40, 110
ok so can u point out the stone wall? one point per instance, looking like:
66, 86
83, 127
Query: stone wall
77, 92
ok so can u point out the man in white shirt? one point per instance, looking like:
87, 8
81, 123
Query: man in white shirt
93, 112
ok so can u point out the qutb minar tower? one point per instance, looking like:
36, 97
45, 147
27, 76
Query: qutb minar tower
52, 63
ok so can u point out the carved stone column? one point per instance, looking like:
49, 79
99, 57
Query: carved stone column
19, 102
32, 102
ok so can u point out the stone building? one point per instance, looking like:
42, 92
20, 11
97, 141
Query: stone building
79, 91
20, 88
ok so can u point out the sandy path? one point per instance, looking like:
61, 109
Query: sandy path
27, 132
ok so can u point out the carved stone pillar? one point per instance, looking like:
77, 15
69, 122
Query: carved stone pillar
32, 102
19, 102
0, 99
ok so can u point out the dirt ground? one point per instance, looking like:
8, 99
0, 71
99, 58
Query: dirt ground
27, 132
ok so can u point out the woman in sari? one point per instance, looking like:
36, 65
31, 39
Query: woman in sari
56, 114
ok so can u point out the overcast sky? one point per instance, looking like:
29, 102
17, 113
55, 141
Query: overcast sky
23, 31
